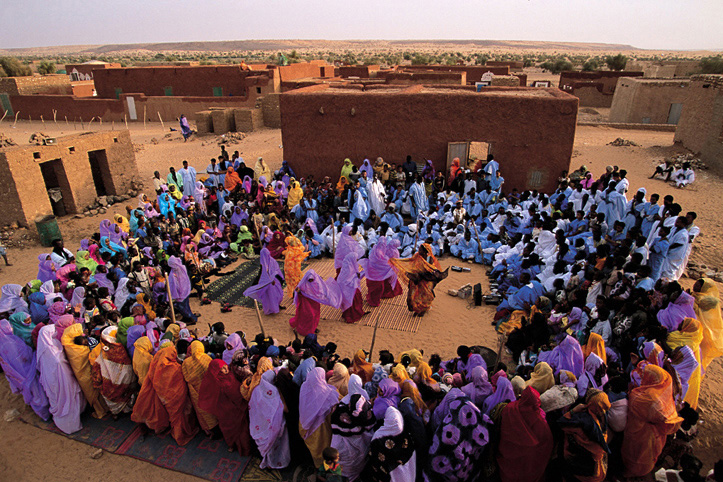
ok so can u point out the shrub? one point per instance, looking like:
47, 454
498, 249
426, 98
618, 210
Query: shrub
14, 68
46, 67
616, 63
711, 65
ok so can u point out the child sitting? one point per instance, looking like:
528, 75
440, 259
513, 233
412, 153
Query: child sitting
330, 469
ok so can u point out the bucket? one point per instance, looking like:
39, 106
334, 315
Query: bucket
48, 229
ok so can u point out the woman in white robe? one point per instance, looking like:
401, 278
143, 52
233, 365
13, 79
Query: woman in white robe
57, 379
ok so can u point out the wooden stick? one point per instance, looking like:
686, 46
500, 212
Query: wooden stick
125, 119
91, 121
112, 125
258, 315
16, 118
6, 113
479, 245
163, 127
333, 237
43, 121
374, 336
170, 300
55, 116
66, 120
30, 118
100, 119
144, 117
82, 124
502, 339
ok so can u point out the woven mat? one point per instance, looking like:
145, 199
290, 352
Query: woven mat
392, 314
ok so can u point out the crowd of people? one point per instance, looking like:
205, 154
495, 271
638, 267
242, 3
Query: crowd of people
605, 351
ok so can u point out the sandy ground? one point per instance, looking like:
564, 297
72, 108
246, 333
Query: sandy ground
451, 321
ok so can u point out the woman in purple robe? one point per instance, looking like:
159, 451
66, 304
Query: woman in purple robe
57, 379
46, 268
567, 356
349, 281
479, 387
268, 290
503, 393
185, 128
387, 396
180, 287
19, 365
677, 310
345, 245
311, 292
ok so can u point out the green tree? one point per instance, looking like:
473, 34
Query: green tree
590, 65
616, 63
14, 68
557, 66
711, 65
2, 72
46, 67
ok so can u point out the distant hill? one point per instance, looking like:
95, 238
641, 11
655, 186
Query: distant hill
273, 45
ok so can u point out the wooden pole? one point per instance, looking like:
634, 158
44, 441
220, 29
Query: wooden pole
144, 117
374, 336
82, 124
3, 118
91, 121
479, 245
258, 315
55, 117
170, 300
125, 119
502, 339
43, 121
30, 118
163, 127
66, 120
16, 118
112, 125
333, 237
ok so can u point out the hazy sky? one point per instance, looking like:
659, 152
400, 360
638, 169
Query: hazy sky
652, 24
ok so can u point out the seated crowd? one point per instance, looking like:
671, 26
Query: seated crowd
605, 351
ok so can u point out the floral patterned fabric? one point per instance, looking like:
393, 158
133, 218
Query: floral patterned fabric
458, 443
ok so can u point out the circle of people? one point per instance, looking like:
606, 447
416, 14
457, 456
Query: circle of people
608, 352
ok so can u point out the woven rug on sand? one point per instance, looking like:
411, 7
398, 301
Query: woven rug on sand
201, 457
391, 314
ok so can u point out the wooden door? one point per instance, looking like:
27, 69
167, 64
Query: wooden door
457, 149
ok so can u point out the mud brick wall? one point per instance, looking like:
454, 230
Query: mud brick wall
532, 135
700, 127
23, 192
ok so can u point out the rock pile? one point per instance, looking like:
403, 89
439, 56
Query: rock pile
695, 271
695, 163
37, 138
6, 141
14, 236
620, 142
226, 139
102, 203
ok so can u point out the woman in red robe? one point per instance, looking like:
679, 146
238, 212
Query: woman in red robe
220, 395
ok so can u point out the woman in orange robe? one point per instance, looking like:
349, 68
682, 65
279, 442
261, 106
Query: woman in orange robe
422, 272
163, 399
651, 418
294, 255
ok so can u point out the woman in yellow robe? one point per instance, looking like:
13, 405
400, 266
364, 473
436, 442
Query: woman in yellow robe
142, 358
194, 368
295, 195
708, 312
690, 333
79, 359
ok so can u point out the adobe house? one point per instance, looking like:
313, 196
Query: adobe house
84, 71
648, 101
530, 131
594, 89
63, 177
700, 128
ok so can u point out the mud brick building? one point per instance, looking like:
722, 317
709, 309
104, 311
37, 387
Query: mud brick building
648, 101
63, 177
530, 131
700, 127
594, 89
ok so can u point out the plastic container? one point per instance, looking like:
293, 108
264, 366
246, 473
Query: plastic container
48, 229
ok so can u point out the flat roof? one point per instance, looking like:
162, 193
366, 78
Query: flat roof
528, 92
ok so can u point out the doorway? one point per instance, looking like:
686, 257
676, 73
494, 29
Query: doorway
674, 113
101, 172
469, 153
57, 186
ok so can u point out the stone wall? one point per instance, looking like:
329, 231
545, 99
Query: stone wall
271, 110
36, 84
